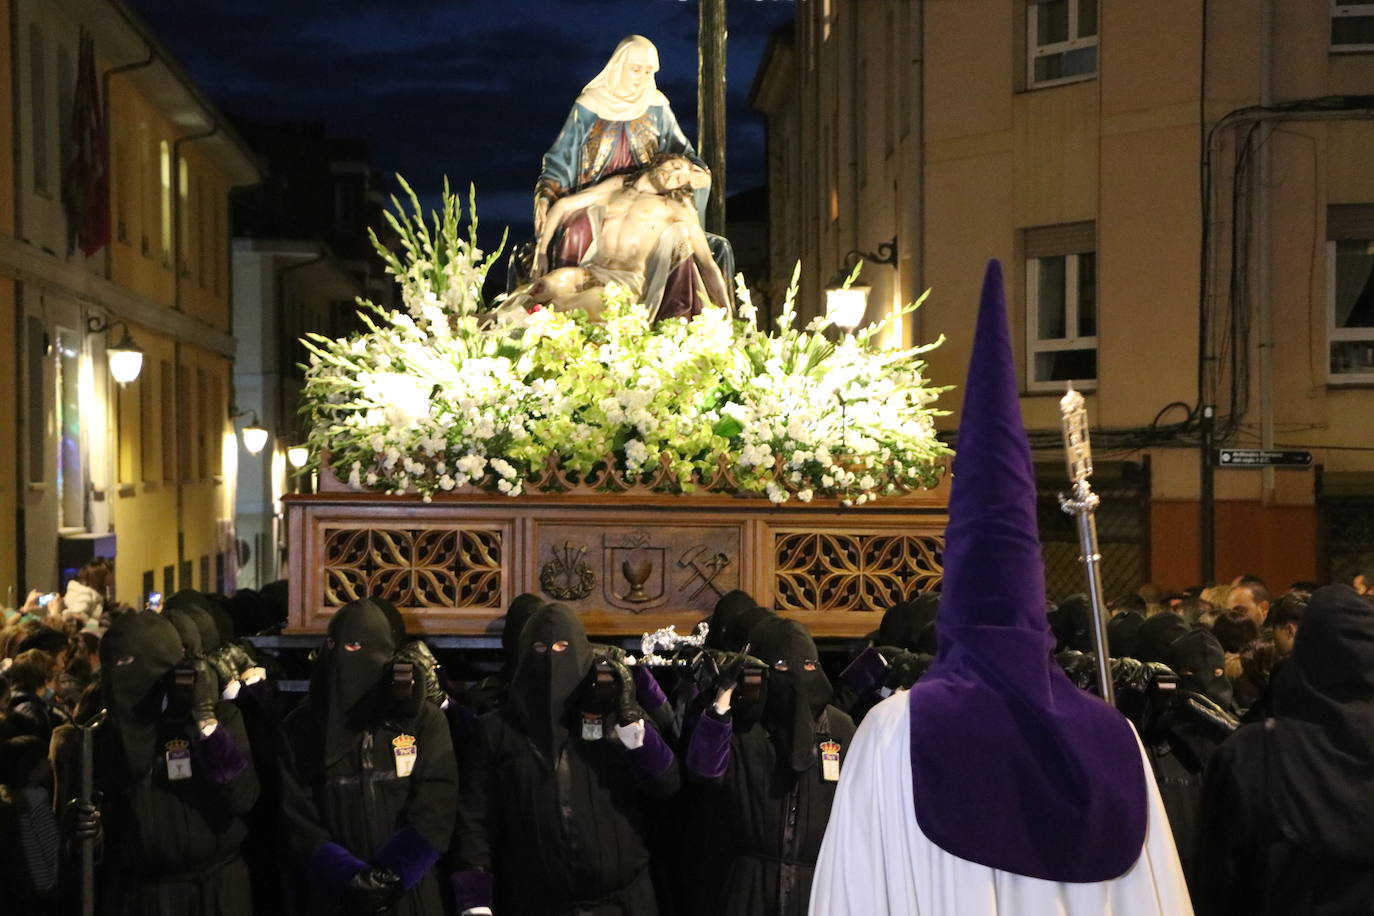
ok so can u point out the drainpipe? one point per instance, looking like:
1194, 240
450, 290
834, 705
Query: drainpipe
1263, 242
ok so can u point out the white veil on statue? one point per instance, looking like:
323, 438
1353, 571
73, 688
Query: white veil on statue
603, 95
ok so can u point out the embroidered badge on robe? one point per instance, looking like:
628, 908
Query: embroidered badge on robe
830, 761
178, 753
404, 749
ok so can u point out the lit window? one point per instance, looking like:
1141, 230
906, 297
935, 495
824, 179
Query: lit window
1352, 26
1061, 306
1061, 41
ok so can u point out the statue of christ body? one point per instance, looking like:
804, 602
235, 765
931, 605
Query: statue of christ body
644, 225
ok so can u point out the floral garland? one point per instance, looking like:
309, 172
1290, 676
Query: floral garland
433, 398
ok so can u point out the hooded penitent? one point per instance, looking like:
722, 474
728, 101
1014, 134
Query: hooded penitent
346, 683
1157, 634
546, 678
1012, 766
903, 622
730, 606
797, 691
516, 616
1322, 752
738, 630
197, 608
1200, 663
136, 656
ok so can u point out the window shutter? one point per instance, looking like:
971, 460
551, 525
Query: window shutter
1065, 238
1350, 221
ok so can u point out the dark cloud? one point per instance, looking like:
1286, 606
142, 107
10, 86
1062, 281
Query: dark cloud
471, 89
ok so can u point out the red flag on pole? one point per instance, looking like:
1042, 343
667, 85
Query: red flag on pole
85, 182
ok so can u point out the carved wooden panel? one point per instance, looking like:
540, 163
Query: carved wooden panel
835, 571
414, 567
615, 567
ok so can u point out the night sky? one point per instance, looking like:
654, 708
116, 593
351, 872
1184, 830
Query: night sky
472, 89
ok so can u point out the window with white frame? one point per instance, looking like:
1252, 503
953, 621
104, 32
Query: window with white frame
1061, 306
1352, 26
1350, 292
1061, 41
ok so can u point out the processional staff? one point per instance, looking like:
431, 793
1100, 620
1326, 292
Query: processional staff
1078, 455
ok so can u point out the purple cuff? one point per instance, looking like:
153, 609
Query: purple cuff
708, 754
408, 855
651, 759
865, 672
472, 888
331, 867
647, 690
219, 757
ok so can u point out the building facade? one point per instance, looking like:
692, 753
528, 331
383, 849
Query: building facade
142, 471
1180, 193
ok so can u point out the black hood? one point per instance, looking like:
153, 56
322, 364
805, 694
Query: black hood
197, 606
546, 681
903, 622
137, 654
1200, 663
1074, 624
346, 683
516, 616
741, 625
1157, 634
1122, 631
795, 697
1323, 743
187, 631
219, 607
730, 606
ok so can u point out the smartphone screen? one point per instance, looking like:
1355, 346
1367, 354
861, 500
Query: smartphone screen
45, 600
155, 601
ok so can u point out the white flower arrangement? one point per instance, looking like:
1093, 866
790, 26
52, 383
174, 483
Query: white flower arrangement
432, 398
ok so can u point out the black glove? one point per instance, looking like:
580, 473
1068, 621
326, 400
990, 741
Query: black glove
85, 820
240, 653
728, 674
206, 692
372, 891
225, 665
627, 708
904, 669
425, 668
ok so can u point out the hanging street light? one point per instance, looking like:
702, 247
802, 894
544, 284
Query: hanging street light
125, 358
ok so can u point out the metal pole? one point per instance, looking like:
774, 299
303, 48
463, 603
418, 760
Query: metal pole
87, 793
1208, 532
1083, 506
711, 106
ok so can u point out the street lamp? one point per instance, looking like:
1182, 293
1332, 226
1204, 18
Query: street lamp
125, 358
254, 433
297, 456
846, 303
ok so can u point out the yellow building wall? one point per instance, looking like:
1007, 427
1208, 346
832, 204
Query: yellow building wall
9, 394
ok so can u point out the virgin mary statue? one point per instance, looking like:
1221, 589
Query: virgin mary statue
618, 124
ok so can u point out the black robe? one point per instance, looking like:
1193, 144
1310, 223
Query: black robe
770, 819
1287, 819
171, 848
359, 803
563, 839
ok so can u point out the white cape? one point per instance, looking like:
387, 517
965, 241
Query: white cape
875, 860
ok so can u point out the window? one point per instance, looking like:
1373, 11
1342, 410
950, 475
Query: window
165, 152
1061, 41
860, 154
892, 79
167, 416
1350, 292
1352, 26
38, 108
1061, 306
185, 240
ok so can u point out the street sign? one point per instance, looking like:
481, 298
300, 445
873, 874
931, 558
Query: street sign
1262, 458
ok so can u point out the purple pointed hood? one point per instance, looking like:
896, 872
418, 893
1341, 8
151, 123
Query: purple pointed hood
1013, 767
